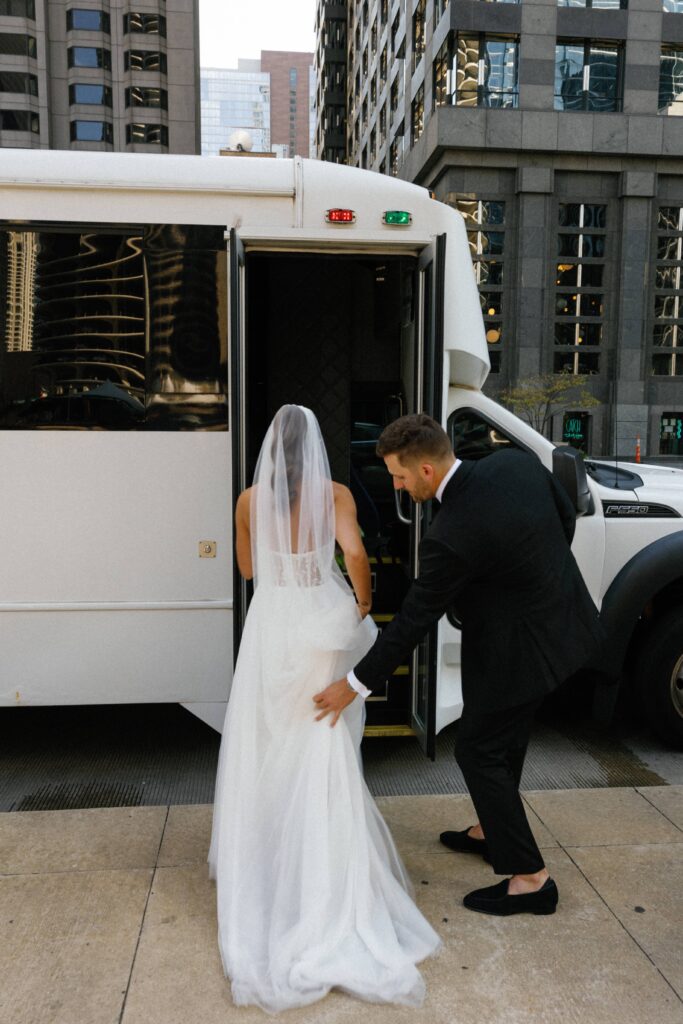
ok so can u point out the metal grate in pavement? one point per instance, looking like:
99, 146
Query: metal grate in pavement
135, 755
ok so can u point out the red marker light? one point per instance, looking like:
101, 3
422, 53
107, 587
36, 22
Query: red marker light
338, 216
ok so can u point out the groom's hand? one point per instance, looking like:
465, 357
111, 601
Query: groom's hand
333, 699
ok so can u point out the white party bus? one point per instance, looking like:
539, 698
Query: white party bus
154, 313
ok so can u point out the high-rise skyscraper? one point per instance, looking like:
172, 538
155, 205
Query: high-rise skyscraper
552, 125
105, 75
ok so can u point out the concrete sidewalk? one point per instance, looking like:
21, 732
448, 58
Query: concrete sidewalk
107, 917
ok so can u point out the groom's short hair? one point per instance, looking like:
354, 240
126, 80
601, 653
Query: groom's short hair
413, 437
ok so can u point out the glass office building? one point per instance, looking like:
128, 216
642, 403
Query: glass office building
235, 100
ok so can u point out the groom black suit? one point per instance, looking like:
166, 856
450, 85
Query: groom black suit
498, 553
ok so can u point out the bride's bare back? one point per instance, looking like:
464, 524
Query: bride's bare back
347, 535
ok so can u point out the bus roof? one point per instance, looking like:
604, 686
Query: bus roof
245, 175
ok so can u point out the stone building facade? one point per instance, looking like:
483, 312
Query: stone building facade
110, 75
555, 128
290, 98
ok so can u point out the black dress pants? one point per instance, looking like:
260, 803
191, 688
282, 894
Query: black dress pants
490, 748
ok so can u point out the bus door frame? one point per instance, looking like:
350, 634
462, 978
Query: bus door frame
429, 352
238, 381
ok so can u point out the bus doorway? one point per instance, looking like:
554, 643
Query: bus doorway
344, 335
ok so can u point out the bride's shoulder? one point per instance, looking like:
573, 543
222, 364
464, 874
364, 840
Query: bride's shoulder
342, 495
244, 501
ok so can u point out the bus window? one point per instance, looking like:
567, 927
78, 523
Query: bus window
113, 328
473, 437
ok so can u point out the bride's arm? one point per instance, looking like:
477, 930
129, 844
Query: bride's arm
349, 539
242, 535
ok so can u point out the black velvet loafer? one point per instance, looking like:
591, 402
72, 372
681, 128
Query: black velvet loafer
462, 843
494, 899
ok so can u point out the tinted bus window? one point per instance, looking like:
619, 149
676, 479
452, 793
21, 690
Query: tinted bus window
113, 330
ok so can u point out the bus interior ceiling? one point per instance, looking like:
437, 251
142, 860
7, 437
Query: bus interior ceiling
337, 334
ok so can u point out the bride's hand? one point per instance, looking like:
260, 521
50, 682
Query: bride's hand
333, 699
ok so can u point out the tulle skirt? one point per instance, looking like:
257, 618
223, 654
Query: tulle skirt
311, 892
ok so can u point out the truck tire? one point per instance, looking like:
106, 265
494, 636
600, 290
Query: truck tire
659, 677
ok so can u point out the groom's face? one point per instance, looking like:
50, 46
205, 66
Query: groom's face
415, 477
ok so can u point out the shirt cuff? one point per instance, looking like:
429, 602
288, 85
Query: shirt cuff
356, 685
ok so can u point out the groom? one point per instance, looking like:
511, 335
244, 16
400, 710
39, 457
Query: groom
498, 550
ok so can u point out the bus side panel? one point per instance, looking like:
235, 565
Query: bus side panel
104, 516
115, 657
114, 519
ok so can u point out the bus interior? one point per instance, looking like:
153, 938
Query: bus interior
337, 333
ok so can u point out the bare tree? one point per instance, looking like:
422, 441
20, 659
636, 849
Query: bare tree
537, 399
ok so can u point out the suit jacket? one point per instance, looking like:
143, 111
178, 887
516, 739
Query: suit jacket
498, 552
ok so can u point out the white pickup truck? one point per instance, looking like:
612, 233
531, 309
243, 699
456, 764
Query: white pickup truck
629, 546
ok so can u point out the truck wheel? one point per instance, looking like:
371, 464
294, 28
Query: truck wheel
659, 677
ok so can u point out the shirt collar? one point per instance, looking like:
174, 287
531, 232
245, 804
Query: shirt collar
444, 482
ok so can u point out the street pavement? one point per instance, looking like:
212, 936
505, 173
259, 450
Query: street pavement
107, 916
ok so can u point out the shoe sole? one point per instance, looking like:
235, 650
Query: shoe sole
540, 912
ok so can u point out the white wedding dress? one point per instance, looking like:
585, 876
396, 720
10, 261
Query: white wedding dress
311, 892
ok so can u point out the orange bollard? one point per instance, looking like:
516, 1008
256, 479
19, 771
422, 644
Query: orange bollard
637, 447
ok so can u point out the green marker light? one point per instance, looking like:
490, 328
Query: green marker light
399, 218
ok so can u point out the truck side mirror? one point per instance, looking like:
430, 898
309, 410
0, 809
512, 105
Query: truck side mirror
569, 470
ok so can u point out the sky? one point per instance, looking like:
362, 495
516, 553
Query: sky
229, 29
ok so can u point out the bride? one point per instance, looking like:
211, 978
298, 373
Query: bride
311, 892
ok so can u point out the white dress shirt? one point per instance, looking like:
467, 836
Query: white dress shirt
351, 677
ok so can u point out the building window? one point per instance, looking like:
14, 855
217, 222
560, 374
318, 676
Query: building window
671, 434
417, 115
395, 28
19, 121
87, 20
383, 125
443, 83
144, 96
485, 223
18, 81
440, 7
673, 6
486, 71
151, 134
144, 60
16, 44
18, 9
148, 24
667, 332
373, 39
91, 131
393, 95
89, 57
587, 75
607, 5
670, 79
396, 150
579, 287
382, 72
94, 95
419, 23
